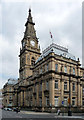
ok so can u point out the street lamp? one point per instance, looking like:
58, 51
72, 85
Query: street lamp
69, 101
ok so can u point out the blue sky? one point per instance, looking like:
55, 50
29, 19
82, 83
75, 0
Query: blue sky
63, 19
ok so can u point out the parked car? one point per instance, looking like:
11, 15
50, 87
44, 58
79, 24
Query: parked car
9, 109
16, 109
5, 108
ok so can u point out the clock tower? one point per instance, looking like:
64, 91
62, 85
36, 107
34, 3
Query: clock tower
30, 50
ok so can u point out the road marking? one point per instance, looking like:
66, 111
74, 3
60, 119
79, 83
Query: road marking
69, 117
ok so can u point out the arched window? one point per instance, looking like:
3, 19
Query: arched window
32, 61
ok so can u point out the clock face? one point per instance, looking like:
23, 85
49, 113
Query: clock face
32, 43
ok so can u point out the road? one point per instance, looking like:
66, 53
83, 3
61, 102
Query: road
24, 115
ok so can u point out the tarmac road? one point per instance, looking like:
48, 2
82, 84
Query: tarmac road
29, 115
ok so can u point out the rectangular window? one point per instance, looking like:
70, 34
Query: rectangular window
47, 67
73, 101
10, 89
10, 102
73, 86
56, 67
40, 87
74, 71
65, 69
56, 84
35, 101
10, 97
56, 101
47, 101
83, 90
83, 102
65, 85
83, 74
40, 101
47, 85
31, 100
40, 70
65, 101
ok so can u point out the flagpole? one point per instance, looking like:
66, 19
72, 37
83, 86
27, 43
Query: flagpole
51, 37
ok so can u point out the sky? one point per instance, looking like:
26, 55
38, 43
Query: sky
62, 17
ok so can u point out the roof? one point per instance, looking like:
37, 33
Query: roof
58, 50
12, 81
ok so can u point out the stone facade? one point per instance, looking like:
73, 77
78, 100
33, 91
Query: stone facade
0, 98
8, 93
44, 79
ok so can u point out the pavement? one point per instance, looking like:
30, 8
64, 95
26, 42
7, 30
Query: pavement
62, 115
31, 115
32, 112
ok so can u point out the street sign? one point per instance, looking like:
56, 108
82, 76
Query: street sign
68, 100
62, 102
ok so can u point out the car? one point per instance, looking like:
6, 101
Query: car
9, 109
5, 108
16, 109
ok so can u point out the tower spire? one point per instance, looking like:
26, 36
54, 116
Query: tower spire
29, 19
30, 30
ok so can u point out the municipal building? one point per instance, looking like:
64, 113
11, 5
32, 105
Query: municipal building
45, 79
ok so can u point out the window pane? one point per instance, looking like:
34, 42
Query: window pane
83, 89
73, 70
47, 67
83, 101
40, 101
56, 67
65, 69
56, 84
47, 85
65, 85
73, 101
41, 70
73, 86
47, 101
65, 101
56, 101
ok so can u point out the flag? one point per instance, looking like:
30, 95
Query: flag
51, 34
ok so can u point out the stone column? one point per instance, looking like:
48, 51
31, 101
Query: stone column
71, 90
33, 99
62, 90
81, 95
24, 98
21, 98
51, 92
43, 96
78, 92
37, 95
59, 89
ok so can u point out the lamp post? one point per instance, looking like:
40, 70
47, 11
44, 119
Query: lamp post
69, 111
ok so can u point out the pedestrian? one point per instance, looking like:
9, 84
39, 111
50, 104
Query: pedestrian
17, 110
58, 112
